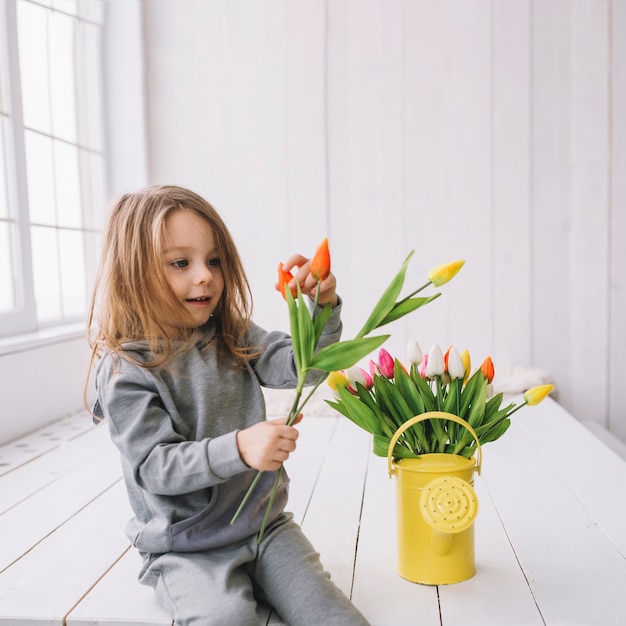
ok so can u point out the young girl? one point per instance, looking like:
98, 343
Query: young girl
179, 372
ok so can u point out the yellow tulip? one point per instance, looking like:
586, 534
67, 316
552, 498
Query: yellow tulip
537, 394
467, 364
337, 379
441, 274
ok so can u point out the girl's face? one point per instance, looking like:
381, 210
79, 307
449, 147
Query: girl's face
192, 264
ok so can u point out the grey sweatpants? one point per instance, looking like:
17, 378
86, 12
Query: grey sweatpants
219, 586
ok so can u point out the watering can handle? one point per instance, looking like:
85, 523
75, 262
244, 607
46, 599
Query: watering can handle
434, 415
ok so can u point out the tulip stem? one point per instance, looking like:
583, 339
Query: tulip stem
414, 292
246, 497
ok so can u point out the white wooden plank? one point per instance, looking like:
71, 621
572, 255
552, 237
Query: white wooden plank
589, 216
119, 599
511, 183
27, 523
617, 331
365, 150
305, 126
566, 557
550, 103
331, 521
305, 463
49, 580
40, 441
586, 464
447, 147
499, 589
30, 477
378, 591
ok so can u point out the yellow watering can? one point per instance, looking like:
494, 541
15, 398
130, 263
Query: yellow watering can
435, 510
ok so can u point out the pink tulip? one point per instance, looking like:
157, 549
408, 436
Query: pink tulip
385, 363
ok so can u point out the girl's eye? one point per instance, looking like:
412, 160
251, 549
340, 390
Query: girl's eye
214, 262
179, 264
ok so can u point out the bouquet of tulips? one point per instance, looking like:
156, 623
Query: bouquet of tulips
381, 400
307, 321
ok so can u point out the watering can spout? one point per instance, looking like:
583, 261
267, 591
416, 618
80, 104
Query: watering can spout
449, 506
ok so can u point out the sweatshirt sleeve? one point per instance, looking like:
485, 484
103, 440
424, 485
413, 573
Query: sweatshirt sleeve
161, 460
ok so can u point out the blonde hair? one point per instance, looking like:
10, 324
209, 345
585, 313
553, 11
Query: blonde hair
132, 299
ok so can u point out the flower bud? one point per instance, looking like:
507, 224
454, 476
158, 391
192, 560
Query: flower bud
356, 375
320, 265
385, 363
337, 379
488, 369
538, 394
284, 278
441, 274
435, 366
414, 352
454, 364
467, 364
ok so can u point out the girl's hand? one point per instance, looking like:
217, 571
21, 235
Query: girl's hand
267, 445
308, 284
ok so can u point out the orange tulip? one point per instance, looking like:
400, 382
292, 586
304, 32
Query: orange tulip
284, 278
320, 265
488, 369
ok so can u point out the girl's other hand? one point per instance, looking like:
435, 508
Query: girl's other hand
267, 445
308, 284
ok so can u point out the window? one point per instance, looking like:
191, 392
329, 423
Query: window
52, 163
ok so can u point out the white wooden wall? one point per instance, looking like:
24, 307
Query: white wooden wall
493, 131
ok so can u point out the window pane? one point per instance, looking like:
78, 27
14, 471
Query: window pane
93, 189
89, 81
47, 284
33, 49
68, 6
40, 178
62, 91
67, 185
72, 272
7, 291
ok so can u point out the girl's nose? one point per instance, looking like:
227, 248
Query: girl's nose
204, 275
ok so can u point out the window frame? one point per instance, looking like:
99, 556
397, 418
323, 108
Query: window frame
23, 318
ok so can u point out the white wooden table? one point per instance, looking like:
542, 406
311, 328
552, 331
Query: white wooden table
550, 534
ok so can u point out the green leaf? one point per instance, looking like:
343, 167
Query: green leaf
366, 397
387, 300
306, 333
497, 432
344, 354
293, 323
358, 412
385, 401
319, 321
477, 411
381, 448
426, 393
340, 408
408, 389
467, 395
405, 307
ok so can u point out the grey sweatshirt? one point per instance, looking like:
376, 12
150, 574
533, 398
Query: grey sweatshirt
175, 427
